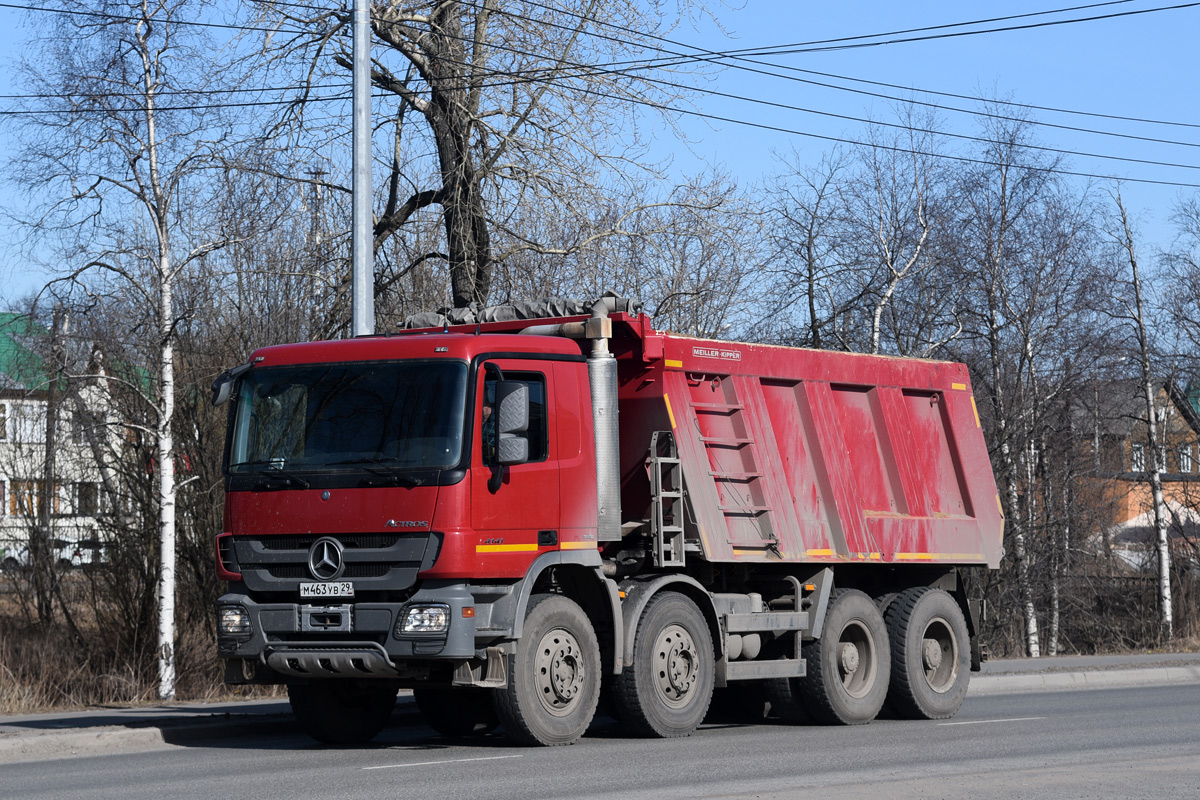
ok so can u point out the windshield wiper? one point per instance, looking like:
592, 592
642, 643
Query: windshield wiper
386, 476
273, 471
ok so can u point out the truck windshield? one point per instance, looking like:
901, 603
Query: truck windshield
379, 414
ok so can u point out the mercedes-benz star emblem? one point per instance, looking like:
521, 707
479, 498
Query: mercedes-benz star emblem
325, 559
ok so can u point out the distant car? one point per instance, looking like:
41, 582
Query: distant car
14, 556
82, 553
64, 554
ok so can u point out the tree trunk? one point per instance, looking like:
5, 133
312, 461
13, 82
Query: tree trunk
166, 490
1155, 464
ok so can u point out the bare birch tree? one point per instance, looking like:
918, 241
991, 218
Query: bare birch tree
810, 274
1000, 204
892, 206
1135, 312
118, 157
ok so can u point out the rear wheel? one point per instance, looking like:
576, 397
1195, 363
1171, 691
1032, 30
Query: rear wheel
849, 666
554, 676
786, 702
342, 711
931, 654
667, 690
457, 712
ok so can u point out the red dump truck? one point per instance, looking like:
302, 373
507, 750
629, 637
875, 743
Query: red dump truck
514, 517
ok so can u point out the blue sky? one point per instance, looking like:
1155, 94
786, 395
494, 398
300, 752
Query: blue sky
1134, 66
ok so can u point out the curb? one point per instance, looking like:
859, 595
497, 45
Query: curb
146, 735
1090, 679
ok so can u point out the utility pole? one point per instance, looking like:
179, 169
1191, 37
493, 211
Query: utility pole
362, 298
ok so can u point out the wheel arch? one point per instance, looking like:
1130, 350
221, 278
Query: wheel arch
577, 576
639, 591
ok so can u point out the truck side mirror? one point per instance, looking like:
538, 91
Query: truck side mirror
222, 387
512, 421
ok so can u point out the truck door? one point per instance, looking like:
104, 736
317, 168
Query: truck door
527, 500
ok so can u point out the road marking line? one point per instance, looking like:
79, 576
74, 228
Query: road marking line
449, 761
986, 721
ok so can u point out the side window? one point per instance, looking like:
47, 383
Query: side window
538, 433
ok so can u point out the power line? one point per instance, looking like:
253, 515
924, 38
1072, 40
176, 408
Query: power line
1056, 110
199, 107
719, 57
949, 25
587, 70
790, 50
171, 92
123, 18
592, 70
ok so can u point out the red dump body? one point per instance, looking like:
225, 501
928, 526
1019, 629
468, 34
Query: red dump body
808, 455
795, 455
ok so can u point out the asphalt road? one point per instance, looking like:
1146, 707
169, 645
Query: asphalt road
1112, 743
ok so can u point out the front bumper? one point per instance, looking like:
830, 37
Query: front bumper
334, 637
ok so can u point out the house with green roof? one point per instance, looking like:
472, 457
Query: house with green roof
74, 500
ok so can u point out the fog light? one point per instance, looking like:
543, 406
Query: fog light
426, 619
233, 621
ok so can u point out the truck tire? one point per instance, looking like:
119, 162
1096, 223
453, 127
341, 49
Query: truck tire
667, 690
931, 654
849, 666
554, 675
786, 703
457, 712
342, 711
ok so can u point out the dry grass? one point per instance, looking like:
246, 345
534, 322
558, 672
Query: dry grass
44, 668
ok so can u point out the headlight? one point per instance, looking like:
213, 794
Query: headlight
233, 621
426, 619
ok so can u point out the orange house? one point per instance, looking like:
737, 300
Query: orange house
1120, 482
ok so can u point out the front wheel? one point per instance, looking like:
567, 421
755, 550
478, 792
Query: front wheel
342, 711
850, 665
667, 690
931, 654
554, 676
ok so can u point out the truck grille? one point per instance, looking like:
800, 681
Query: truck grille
374, 561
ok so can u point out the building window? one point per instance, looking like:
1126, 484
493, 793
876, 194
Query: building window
85, 499
23, 498
1186, 463
29, 423
1138, 457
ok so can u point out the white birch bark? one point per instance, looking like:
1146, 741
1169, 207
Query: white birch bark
1155, 465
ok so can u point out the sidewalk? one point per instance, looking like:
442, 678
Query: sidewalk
36, 737
1063, 673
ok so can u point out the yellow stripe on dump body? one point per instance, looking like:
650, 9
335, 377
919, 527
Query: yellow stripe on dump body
670, 362
818, 552
577, 545
506, 548
938, 556
670, 413
962, 387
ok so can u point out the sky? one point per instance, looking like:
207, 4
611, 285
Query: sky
1139, 65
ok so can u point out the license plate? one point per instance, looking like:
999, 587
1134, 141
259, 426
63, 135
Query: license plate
327, 589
